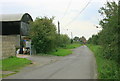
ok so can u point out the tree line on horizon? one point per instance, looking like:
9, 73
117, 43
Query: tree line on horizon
81, 40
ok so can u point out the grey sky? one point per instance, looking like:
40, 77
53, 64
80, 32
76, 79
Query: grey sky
63, 10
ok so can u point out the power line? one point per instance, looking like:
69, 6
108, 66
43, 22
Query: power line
79, 13
66, 9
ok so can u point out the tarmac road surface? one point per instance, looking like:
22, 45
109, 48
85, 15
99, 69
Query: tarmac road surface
79, 65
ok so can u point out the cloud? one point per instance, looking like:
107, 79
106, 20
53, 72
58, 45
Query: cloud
82, 28
83, 25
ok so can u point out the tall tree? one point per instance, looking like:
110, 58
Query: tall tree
43, 34
109, 34
83, 40
108, 37
76, 38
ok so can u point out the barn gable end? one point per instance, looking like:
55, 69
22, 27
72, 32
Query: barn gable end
14, 26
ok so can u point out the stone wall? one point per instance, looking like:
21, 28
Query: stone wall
9, 44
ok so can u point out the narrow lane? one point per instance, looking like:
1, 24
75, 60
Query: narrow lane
79, 65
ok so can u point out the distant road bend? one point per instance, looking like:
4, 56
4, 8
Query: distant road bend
79, 65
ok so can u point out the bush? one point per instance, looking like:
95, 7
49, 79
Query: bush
63, 40
44, 36
107, 69
108, 36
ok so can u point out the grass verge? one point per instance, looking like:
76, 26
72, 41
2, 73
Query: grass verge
13, 63
107, 69
65, 50
5, 75
61, 52
72, 46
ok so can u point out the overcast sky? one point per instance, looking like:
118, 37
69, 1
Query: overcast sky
65, 11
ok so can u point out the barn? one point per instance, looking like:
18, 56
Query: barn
15, 28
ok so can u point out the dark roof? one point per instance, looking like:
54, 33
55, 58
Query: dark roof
16, 17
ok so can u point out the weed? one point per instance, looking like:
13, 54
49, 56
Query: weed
107, 69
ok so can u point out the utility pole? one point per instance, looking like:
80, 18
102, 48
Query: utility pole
58, 27
71, 38
71, 35
59, 33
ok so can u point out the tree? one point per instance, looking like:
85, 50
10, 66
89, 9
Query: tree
108, 37
109, 34
94, 39
83, 40
64, 40
43, 34
76, 38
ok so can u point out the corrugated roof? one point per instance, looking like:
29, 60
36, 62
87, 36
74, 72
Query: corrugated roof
11, 17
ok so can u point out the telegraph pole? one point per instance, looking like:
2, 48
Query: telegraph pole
71, 38
71, 35
59, 33
58, 27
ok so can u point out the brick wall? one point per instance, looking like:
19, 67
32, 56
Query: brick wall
9, 44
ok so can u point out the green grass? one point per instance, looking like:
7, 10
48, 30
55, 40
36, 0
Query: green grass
107, 69
5, 75
61, 52
65, 50
13, 63
72, 46
0, 64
